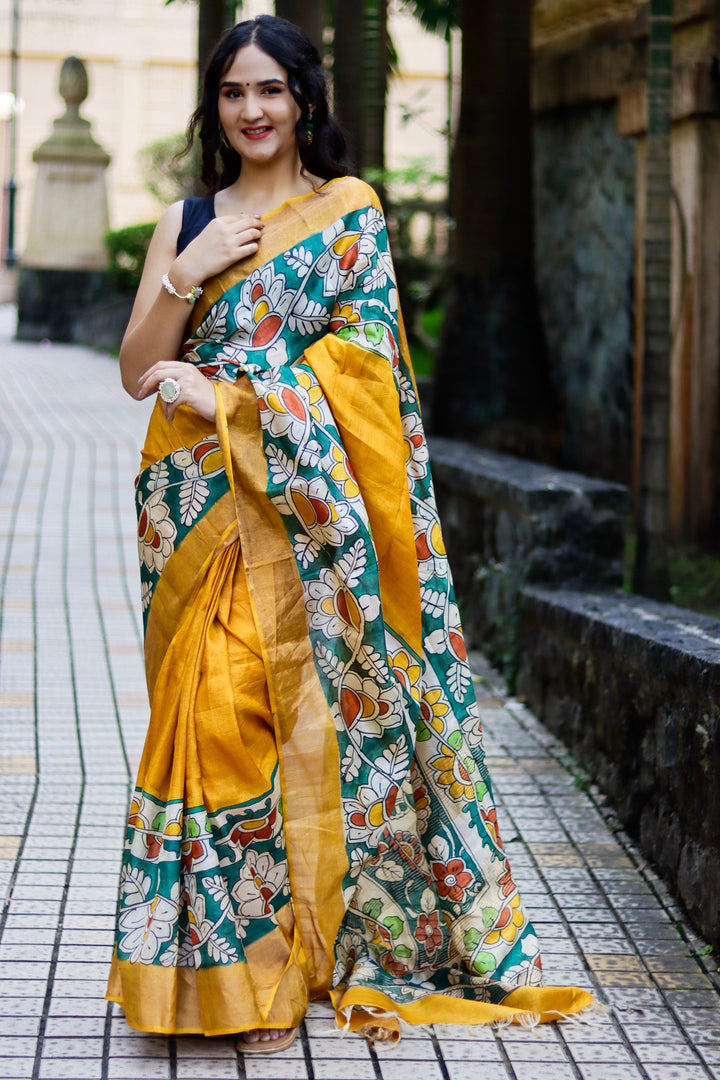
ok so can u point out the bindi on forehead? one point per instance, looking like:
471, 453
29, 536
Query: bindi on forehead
261, 82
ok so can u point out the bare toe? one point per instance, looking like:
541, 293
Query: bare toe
376, 1034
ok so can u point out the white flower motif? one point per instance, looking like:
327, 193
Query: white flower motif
328, 520
261, 879
365, 708
347, 949
144, 927
184, 460
192, 461
285, 411
232, 352
416, 451
335, 610
332, 231
262, 306
429, 544
156, 532
348, 254
449, 637
367, 817
277, 354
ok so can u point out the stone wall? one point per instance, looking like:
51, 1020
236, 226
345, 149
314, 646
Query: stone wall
585, 221
509, 522
632, 687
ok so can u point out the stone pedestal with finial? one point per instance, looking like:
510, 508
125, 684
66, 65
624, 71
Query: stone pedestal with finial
62, 269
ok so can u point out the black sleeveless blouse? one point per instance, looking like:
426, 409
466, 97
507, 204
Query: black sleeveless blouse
197, 212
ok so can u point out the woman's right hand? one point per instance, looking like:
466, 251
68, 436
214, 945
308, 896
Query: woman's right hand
158, 323
223, 241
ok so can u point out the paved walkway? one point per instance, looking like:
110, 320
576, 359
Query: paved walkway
72, 720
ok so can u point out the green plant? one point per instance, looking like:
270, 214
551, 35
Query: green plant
127, 249
409, 181
169, 174
694, 575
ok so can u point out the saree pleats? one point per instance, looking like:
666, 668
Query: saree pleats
313, 814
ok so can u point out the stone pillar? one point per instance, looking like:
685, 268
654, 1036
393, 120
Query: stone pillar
695, 359
62, 269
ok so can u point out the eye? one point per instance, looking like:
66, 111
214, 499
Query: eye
232, 94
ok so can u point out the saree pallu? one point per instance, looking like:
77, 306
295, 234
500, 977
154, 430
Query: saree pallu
313, 813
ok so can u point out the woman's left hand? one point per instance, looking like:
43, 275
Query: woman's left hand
195, 389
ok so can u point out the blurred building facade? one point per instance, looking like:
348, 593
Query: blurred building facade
141, 61
588, 97
590, 104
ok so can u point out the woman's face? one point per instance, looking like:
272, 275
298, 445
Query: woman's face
257, 111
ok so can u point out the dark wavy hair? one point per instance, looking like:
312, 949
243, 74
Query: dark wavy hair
325, 155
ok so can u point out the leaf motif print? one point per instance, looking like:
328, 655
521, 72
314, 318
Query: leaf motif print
193, 497
405, 389
372, 222
389, 871
379, 275
279, 464
158, 476
307, 316
214, 324
221, 950
146, 594
432, 602
350, 765
170, 957
188, 954
306, 549
458, 678
351, 565
134, 885
300, 260
428, 901
330, 665
374, 663
215, 887
397, 759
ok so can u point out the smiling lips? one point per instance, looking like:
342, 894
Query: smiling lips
256, 133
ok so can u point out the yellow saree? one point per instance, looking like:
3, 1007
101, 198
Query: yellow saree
313, 815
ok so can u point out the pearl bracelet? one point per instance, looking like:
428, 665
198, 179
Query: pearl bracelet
194, 294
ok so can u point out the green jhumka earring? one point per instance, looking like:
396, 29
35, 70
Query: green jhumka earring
309, 130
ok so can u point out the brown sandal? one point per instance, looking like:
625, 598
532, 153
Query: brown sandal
268, 1046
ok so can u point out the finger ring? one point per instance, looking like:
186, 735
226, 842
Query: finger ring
169, 390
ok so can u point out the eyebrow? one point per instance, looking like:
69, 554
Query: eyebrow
262, 82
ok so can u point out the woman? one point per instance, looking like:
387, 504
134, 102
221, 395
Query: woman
313, 815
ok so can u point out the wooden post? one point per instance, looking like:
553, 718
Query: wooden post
651, 565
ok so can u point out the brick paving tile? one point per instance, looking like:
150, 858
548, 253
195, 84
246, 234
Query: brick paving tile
69, 457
